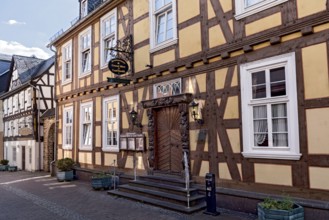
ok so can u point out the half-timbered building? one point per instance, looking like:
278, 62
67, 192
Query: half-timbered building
29, 95
5, 61
239, 88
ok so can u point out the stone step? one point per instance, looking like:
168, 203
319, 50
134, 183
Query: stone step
164, 196
163, 187
159, 203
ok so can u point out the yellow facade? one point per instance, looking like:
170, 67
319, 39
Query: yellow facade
263, 24
188, 10
315, 60
273, 174
163, 58
188, 45
304, 8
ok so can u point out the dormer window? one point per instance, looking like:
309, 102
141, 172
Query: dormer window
84, 8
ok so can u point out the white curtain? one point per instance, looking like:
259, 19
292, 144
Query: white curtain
279, 123
260, 124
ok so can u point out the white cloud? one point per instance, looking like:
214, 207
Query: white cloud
16, 48
14, 22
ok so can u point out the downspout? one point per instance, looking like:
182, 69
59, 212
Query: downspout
56, 115
39, 131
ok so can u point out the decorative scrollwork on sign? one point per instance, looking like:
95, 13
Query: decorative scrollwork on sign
123, 49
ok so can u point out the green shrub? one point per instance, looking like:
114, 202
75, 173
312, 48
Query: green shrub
65, 164
269, 203
101, 175
4, 162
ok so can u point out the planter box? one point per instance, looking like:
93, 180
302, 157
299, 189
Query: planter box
101, 182
64, 175
4, 167
271, 214
104, 182
12, 168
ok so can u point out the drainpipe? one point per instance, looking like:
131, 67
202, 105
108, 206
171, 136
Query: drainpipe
39, 133
56, 116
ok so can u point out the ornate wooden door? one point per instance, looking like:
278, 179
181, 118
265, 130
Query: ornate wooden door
168, 150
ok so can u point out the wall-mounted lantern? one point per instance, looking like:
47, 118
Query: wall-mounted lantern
133, 117
195, 112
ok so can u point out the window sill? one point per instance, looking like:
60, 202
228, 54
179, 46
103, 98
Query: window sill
275, 156
257, 8
108, 149
86, 148
66, 82
164, 45
81, 75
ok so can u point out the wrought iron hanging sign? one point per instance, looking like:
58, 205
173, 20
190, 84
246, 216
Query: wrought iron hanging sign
123, 53
118, 66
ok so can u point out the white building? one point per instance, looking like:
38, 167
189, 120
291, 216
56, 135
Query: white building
30, 94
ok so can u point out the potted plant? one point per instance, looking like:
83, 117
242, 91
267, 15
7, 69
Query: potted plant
101, 180
65, 169
4, 165
279, 209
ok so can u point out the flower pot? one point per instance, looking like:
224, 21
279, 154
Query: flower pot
4, 167
101, 182
64, 175
12, 168
297, 213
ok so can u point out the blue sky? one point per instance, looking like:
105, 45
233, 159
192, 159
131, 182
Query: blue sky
27, 25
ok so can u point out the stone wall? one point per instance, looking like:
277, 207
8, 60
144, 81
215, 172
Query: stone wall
48, 142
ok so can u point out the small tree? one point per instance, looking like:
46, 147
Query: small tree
65, 164
4, 162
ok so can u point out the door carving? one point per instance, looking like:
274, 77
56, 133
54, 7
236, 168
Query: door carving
168, 140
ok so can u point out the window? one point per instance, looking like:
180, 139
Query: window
163, 24
111, 115
10, 105
245, 8
86, 118
168, 88
67, 127
109, 35
30, 155
84, 8
269, 103
14, 154
6, 129
5, 106
67, 62
29, 97
21, 100
85, 52
11, 130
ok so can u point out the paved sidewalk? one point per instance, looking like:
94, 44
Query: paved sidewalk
37, 196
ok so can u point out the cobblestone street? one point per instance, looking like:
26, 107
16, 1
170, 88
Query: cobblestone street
37, 196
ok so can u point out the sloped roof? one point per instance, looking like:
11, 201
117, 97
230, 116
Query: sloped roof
5, 62
36, 70
25, 63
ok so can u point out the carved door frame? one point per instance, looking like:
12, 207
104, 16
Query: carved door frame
182, 101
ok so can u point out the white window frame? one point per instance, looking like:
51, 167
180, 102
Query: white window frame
21, 100
105, 37
28, 97
292, 152
65, 127
105, 147
5, 106
15, 154
242, 11
67, 58
82, 106
153, 24
84, 8
82, 50
168, 83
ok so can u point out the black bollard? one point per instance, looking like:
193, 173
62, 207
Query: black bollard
211, 195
